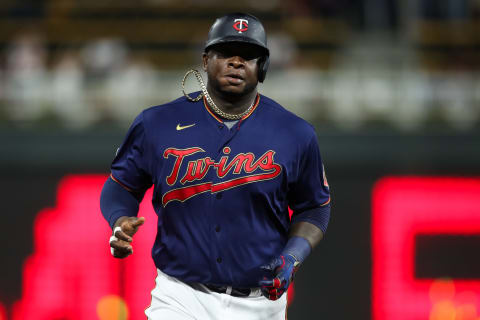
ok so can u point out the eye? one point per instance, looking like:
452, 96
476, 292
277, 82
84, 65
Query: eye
221, 55
224, 54
250, 56
244, 56
246, 53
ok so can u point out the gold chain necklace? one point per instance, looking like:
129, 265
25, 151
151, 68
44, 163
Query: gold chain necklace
212, 104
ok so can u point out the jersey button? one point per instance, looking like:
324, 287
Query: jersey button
217, 228
219, 196
220, 126
219, 260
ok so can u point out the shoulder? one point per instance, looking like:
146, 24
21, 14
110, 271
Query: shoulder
170, 111
169, 107
285, 119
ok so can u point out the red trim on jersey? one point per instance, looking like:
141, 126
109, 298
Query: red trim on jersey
209, 111
121, 184
256, 103
326, 202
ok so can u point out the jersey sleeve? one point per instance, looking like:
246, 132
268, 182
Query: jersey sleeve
130, 167
309, 196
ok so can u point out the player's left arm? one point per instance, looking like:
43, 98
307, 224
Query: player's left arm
309, 199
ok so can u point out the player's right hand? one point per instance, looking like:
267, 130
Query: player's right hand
123, 231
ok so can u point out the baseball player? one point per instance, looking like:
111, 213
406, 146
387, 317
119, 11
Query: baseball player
226, 163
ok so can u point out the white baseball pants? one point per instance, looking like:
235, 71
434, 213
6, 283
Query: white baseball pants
175, 300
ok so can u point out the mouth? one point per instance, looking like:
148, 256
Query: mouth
234, 78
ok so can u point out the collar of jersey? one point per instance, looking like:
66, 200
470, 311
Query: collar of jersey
257, 101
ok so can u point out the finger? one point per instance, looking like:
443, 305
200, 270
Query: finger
138, 222
275, 294
278, 294
118, 232
272, 265
266, 283
118, 254
121, 246
122, 235
131, 225
277, 283
273, 283
112, 238
272, 294
266, 267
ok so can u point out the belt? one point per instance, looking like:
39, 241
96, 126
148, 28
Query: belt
234, 292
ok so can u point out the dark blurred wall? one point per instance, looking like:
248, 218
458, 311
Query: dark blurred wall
334, 283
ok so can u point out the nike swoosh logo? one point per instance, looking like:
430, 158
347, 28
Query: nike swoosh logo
179, 127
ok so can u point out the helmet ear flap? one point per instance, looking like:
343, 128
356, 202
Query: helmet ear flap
263, 64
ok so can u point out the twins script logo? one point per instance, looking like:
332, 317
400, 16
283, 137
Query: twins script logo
240, 25
254, 170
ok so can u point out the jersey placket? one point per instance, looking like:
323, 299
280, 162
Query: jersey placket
226, 136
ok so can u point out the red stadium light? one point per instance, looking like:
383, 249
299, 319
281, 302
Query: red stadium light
3, 312
72, 275
71, 271
402, 209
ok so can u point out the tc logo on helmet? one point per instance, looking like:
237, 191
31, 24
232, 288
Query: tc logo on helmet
240, 25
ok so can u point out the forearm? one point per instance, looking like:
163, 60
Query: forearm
117, 203
309, 231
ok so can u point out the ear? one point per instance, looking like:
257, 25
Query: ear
262, 65
205, 61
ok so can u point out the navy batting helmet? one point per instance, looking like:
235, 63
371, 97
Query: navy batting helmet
241, 27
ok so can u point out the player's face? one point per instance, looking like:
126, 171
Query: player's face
232, 68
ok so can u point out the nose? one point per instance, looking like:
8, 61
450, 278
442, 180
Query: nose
236, 62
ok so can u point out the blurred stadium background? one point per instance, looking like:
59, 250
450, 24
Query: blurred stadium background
392, 87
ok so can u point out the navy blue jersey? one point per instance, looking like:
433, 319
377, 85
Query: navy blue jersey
221, 195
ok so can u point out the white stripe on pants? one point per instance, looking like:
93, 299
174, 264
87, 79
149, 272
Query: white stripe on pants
175, 300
